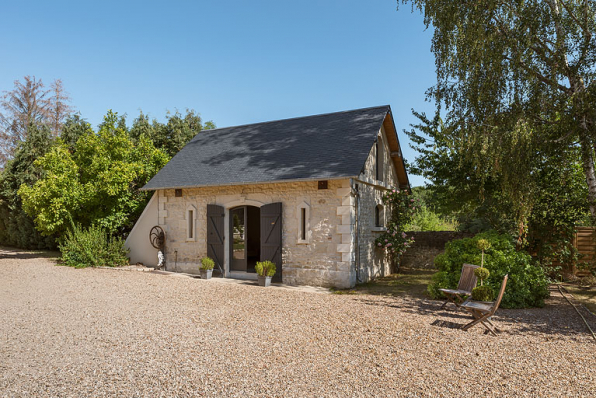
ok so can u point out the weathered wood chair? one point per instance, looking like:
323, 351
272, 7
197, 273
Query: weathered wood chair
482, 311
467, 282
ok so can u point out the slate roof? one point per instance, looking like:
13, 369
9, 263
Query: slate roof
328, 146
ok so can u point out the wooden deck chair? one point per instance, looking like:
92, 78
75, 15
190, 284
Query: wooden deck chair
482, 311
467, 282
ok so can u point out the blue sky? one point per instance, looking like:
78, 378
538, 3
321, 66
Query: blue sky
234, 62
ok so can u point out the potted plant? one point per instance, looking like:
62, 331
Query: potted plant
206, 267
482, 293
265, 270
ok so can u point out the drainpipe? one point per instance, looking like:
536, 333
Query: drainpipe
356, 194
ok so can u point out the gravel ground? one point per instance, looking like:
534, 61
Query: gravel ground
98, 332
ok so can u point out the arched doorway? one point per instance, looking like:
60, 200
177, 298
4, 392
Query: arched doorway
245, 238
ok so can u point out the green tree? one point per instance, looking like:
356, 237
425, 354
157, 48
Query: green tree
427, 218
517, 80
16, 227
554, 195
95, 185
74, 128
172, 136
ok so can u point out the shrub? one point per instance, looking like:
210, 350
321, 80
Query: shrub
482, 274
527, 285
265, 268
207, 263
92, 247
483, 293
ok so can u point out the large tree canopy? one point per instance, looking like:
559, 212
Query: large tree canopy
16, 227
516, 80
95, 183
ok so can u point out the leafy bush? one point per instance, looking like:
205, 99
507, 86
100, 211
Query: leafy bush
527, 285
483, 293
482, 273
207, 263
92, 247
265, 268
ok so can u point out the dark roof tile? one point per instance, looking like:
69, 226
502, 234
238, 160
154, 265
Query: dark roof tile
327, 146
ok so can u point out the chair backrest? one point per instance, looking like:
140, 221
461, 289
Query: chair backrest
500, 296
467, 279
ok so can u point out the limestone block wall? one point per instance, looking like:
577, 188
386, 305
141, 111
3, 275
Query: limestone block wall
374, 262
325, 259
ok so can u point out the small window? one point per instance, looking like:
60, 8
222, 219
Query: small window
191, 214
303, 224
379, 216
303, 219
191, 230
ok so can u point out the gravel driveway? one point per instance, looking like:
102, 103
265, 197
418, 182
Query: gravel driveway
97, 332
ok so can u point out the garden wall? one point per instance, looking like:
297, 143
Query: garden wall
427, 245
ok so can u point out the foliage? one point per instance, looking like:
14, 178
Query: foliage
74, 128
428, 218
92, 247
517, 83
265, 268
97, 184
30, 103
174, 134
482, 274
402, 207
207, 263
483, 244
555, 199
527, 285
16, 227
483, 293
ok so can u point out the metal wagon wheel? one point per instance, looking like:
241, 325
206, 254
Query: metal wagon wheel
157, 237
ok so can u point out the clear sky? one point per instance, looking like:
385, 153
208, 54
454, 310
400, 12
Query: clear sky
234, 62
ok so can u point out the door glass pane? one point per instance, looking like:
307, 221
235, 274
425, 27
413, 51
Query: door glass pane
239, 231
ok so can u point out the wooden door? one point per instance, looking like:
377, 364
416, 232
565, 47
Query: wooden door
215, 235
271, 242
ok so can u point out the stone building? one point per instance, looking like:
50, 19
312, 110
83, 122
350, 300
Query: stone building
304, 193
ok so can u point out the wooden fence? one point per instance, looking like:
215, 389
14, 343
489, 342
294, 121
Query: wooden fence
584, 241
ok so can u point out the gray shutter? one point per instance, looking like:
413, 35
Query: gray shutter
215, 235
271, 237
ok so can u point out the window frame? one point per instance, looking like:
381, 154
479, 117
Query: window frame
379, 216
303, 222
190, 216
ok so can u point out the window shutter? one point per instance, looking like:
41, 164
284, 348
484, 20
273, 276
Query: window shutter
215, 235
271, 229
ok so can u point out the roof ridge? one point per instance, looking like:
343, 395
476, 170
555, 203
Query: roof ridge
297, 117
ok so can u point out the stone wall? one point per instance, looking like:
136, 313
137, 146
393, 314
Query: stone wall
373, 262
324, 260
427, 245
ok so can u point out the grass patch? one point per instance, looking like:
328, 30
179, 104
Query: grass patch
407, 282
584, 294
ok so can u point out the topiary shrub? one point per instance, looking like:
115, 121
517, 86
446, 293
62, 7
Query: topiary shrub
265, 268
92, 247
527, 285
482, 274
483, 293
207, 263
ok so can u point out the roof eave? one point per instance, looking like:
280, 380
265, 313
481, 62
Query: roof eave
249, 183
